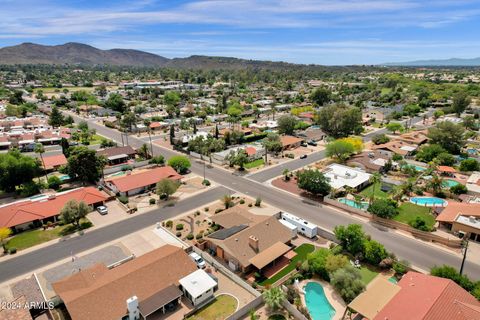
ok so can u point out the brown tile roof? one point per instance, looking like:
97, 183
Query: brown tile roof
414, 137
454, 209
27, 211
235, 216
115, 151
144, 178
395, 146
427, 297
289, 140
268, 232
273, 252
16, 313
100, 293
54, 161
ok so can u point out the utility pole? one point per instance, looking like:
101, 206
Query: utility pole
151, 146
465, 249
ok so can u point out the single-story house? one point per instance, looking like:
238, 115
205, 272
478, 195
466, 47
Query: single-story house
159, 125
460, 217
117, 155
267, 124
414, 137
371, 162
341, 176
19, 215
397, 147
312, 134
143, 288
473, 183
416, 296
290, 142
253, 151
134, 183
53, 162
446, 170
247, 245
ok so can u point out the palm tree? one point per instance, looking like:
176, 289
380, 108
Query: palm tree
41, 150
147, 123
285, 174
435, 184
143, 151
374, 179
274, 297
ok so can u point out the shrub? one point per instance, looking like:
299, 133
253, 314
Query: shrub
206, 182
452, 274
86, 225
152, 201
420, 224
179, 226
459, 189
258, 202
178, 234
374, 252
199, 236
380, 139
218, 210
169, 223
383, 208
126, 167
469, 165
54, 182
190, 236
206, 209
12, 250
348, 283
242, 201
400, 267
250, 205
123, 199
160, 160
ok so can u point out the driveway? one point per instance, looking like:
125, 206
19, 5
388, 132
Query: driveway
115, 214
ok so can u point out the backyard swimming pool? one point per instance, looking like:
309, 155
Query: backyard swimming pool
448, 183
317, 303
428, 201
362, 205
64, 177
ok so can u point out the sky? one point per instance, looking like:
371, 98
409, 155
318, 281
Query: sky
335, 32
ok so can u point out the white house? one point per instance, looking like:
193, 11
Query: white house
341, 176
198, 287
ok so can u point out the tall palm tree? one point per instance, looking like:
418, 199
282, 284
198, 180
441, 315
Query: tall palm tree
274, 297
41, 150
375, 179
435, 184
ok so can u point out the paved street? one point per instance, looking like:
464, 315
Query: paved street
419, 253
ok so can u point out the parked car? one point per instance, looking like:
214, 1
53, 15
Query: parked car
198, 260
312, 143
303, 156
102, 210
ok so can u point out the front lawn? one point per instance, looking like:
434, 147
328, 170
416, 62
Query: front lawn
254, 163
31, 238
96, 139
222, 307
367, 193
367, 274
408, 212
301, 256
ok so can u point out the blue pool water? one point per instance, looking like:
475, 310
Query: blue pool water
64, 177
428, 201
362, 206
317, 303
448, 183
417, 168
393, 280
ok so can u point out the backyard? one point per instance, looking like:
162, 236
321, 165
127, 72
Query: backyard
367, 274
254, 163
408, 212
302, 252
223, 306
367, 193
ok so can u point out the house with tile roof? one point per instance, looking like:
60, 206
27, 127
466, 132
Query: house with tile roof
117, 155
22, 214
135, 183
53, 162
461, 217
417, 296
145, 287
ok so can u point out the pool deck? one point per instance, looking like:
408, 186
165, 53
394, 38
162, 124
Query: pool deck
333, 297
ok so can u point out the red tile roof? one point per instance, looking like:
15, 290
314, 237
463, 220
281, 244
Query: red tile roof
250, 151
54, 161
427, 297
446, 169
26, 211
143, 179
454, 209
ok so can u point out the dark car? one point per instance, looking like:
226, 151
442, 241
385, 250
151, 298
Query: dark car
303, 156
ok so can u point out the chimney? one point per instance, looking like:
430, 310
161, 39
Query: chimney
253, 242
132, 307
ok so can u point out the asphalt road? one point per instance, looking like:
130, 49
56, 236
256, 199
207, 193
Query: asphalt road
419, 253
29, 262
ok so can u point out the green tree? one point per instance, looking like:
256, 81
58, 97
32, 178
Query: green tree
115, 102
314, 182
460, 102
54, 182
335, 262
375, 180
274, 297
383, 208
340, 150
181, 164
272, 142
172, 134
239, 158
469, 165
73, 211
56, 117
16, 97
374, 252
166, 187
429, 152
380, 139
340, 120
435, 184
394, 127
172, 98
445, 159
286, 124
144, 151
320, 96
351, 238
317, 261
448, 135
85, 165
4, 234
16, 169
348, 283
41, 150
451, 273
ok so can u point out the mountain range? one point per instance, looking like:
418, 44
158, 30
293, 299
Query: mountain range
81, 54
453, 62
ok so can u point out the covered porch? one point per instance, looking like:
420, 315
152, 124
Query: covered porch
160, 303
273, 260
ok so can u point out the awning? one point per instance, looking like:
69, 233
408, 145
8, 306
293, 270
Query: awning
159, 299
118, 156
370, 302
268, 255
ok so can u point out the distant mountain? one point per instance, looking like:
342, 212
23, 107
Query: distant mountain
453, 62
77, 53
82, 54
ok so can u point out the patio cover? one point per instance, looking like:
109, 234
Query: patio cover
159, 300
379, 292
273, 252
